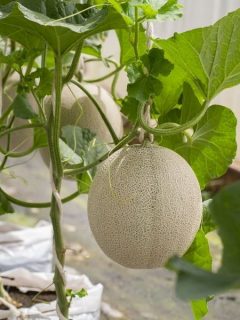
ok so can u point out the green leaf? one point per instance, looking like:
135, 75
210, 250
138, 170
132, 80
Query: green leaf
127, 53
155, 63
225, 208
130, 108
171, 10
205, 147
33, 29
84, 143
5, 205
117, 6
92, 50
208, 56
199, 255
172, 87
199, 309
149, 8
208, 224
21, 107
159, 9
69, 292
143, 88
190, 104
18, 58
57, 9
143, 75
84, 182
68, 155
40, 138
44, 87
81, 293
196, 283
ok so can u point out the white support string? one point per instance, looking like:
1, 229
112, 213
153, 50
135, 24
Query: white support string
149, 34
56, 261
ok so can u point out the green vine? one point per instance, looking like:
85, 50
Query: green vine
57, 174
75, 62
102, 114
76, 169
39, 205
168, 129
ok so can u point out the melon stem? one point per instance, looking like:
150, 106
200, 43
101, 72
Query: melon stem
170, 128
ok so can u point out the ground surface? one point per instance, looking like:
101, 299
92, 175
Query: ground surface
139, 295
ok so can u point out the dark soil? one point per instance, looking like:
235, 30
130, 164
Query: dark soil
28, 299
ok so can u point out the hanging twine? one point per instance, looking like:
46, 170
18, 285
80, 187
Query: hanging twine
147, 113
56, 261
149, 34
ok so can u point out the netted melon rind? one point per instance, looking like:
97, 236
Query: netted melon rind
20, 140
144, 206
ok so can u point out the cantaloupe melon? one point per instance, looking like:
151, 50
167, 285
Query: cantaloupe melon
20, 140
144, 206
78, 109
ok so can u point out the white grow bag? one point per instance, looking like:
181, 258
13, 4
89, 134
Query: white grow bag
26, 261
30, 248
86, 308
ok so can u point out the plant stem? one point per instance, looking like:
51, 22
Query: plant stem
106, 76
6, 113
113, 86
74, 63
20, 154
25, 126
136, 38
57, 174
164, 130
80, 169
39, 205
29, 66
102, 114
105, 59
5, 158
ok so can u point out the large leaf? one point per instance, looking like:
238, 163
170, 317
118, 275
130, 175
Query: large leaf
143, 75
210, 148
199, 255
21, 107
156, 9
172, 87
225, 208
196, 283
126, 49
208, 223
35, 29
170, 10
209, 56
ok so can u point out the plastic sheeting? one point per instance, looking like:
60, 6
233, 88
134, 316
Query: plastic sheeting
86, 308
30, 248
